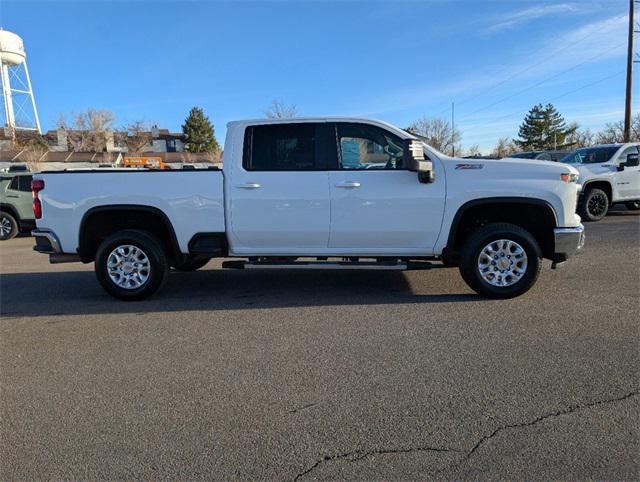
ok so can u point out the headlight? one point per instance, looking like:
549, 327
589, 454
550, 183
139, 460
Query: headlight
569, 177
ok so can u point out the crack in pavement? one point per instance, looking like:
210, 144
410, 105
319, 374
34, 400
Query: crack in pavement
309, 405
566, 411
361, 454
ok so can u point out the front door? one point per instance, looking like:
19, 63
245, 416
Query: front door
377, 206
280, 196
628, 180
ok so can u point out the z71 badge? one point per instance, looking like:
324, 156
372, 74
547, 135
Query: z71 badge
469, 166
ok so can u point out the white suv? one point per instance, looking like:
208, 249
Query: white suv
609, 174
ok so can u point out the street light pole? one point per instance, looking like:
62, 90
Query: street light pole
627, 106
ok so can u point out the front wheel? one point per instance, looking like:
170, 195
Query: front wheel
594, 205
633, 205
500, 261
131, 265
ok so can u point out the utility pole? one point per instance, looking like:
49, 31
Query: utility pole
453, 130
627, 106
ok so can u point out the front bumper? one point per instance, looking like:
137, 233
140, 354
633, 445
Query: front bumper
47, 243
568, 241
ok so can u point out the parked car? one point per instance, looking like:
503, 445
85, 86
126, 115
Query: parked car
286, 193
16, 204
540, 155
609, 175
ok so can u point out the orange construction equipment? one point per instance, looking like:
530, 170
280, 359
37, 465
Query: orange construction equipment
151, 162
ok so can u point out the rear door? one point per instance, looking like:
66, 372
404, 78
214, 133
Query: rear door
280, 195
20, 197
376, 204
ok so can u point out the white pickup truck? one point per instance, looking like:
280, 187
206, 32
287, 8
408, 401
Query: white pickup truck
609, 174
333, 193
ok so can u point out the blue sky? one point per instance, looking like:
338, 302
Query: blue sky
397, 61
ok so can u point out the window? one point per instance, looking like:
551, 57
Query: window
369, 147
24, 184
626, 152
21, 183
282, 147
590, 155
171, 145
545, 156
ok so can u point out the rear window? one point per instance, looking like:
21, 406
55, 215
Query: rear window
281, 147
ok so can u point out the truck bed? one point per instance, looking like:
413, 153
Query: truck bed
192, 200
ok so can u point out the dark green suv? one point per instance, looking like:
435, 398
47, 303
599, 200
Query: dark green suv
16, 204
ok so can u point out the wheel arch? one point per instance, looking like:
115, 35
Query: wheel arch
124, 216
603, 184
533, 214
9, 209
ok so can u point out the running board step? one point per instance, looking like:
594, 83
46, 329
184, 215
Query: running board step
338, 265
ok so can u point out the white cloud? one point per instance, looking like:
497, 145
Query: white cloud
513, 19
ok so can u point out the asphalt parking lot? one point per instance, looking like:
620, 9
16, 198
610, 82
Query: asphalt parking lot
329, 375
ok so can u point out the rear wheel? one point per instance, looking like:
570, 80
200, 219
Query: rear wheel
190, 264
594, 205
8, 226
633, 205
500, 261
131, 265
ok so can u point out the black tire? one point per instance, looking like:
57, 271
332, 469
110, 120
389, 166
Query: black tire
8, 226
155, 255
594, 205
190, 264
633, 205
474, 246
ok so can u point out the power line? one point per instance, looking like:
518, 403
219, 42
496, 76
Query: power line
519, 112
530, 67
549, 57
542, 81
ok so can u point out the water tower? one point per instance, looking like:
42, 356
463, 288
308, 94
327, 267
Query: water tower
19, 104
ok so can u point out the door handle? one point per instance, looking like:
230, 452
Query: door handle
249, 185
348, 184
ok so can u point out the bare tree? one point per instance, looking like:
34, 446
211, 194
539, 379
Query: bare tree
504, 147
579, 138
90, 131
136, 136
33, 151
437, 133
614, 132
473, 151
280, 110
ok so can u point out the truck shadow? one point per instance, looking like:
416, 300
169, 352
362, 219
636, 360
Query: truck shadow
78, 292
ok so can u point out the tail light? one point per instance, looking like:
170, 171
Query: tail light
37, 185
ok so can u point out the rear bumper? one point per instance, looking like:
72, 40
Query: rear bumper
568, 241
47, 243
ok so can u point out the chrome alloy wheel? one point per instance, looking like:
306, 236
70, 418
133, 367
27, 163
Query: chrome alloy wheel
128, 267
5, 227
502, 262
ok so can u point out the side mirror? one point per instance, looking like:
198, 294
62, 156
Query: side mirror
414, 160
632, 160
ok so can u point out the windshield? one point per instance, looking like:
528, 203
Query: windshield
590, 155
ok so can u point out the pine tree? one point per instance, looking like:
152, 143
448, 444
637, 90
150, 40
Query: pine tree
544, 128
198, 132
